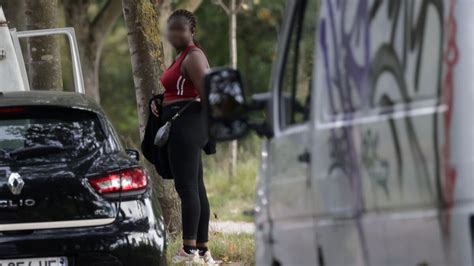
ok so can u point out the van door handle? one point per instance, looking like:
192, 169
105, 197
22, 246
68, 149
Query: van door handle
305, 157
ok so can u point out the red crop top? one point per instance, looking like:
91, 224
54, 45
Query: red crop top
176, 85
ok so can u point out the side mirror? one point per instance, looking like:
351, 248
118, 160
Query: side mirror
134, 154
225, 104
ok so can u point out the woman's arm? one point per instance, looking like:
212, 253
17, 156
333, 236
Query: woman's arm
194, 67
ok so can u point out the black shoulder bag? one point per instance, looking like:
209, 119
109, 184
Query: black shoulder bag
163, 132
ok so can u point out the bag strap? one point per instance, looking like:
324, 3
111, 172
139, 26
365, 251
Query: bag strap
182, 109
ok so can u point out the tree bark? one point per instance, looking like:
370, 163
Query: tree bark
15, 13
232, 10
44, 60
144, 39
91, 36
164, 9
233, 60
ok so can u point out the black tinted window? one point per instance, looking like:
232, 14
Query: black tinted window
295, 91
76, 132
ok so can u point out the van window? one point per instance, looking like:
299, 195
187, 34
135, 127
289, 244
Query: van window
295, 86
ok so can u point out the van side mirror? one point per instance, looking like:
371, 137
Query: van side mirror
225, 104
226, 107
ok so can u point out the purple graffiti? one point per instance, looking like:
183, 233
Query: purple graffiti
344, 75
346, 43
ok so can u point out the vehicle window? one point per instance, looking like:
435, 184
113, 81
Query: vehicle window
48, 62
297, 71
75, 133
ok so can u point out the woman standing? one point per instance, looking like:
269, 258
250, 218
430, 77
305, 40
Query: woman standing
183, 82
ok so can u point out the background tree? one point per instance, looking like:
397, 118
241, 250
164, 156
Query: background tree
15, 14
232, 9
144, 40
257, 33
91, 27
44, 58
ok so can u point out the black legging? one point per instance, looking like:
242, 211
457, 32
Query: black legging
186, 139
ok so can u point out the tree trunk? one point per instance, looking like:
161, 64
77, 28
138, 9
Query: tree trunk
91, 36
164, 11
233, 60
15, 13
144, 39
231, 12
44, 60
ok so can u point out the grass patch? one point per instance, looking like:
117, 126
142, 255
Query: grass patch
232, 197
234, 249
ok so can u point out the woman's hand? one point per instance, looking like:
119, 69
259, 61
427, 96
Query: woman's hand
154, 109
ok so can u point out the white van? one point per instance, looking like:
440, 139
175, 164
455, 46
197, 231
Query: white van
369, 154
13, 71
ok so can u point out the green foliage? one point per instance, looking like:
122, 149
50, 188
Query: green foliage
232, 198
116, 84
257, 34
212, 33
257, 40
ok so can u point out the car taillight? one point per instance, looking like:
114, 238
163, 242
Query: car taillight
12, 109
125, 180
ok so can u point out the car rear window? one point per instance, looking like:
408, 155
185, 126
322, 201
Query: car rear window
79, 132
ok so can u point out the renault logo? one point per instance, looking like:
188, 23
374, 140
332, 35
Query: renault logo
15, 183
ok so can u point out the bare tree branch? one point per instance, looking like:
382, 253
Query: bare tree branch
91, 36
226, 9
239, 6
106, 18
190, 5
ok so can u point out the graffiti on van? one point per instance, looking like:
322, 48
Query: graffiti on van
337, 78
378, 55
377, 167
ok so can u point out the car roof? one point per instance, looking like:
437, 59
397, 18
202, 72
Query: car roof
49, 98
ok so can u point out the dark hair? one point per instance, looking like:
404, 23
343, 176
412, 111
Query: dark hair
191, 19
189, 16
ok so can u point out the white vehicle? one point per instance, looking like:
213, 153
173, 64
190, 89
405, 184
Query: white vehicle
369, 155
13, 72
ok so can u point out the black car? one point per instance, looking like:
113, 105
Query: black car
70, 194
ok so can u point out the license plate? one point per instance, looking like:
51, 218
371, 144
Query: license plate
56, 261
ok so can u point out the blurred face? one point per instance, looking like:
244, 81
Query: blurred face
179, 32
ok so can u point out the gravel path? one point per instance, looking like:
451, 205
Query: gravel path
232, 227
